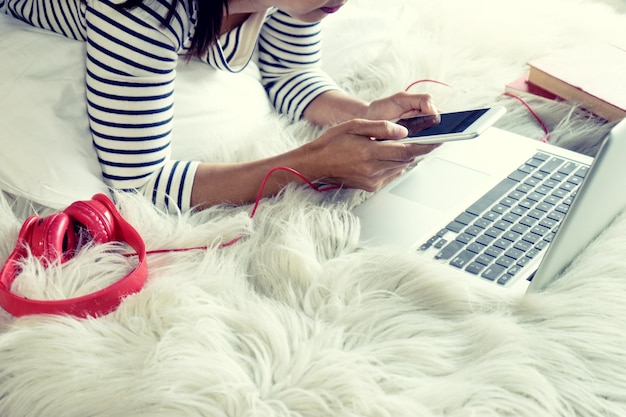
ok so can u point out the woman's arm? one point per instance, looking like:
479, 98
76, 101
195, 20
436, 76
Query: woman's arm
290, 62
344, 155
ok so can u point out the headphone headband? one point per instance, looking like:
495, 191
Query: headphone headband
105, 223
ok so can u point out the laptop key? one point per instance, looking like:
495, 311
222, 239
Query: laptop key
475, 247
505, 261
519, 228
514, 253
536, 213
568, 186
449, 250
532, 253
502, 224
504, 279
484, 240
526, 204
531, 238
552, 164
574, 179
518, 175
493, 251
493, 232
493, 272
562, 208
527, 168
540, 230
558, 177
545, 207
474, 268
582, 172
440, 244
481, 223
512, 236
539, 175
556, 216
464, 238
465, 218
568, 167
491, 216
473, 230
484, 260
511, 217
522, 245
455, 226
528, 221
502, 243
462, 259
534, 162
548, 223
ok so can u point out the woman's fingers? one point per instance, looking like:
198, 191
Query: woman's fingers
401, 105
375, 129
346, 153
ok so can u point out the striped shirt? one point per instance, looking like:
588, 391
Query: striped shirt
130, 70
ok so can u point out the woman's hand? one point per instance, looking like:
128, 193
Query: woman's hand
333, 107
346, 154
400, 105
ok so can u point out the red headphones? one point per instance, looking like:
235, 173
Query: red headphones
57, 237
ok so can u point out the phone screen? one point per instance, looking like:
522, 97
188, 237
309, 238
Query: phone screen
444, 123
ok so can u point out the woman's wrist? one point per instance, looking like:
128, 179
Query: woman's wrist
240, 183
333, 107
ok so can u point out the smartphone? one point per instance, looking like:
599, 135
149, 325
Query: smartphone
445, 127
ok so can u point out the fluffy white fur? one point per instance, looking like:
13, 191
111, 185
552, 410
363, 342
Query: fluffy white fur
297, 320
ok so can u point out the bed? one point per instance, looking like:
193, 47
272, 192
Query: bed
296, 318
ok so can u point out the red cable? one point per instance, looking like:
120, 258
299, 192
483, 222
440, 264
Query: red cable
426, 80
292, 171
254, 209
546, 138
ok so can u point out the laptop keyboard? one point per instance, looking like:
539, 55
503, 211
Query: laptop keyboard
514, 222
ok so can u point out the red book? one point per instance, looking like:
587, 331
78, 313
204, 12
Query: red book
591, 74
521, 87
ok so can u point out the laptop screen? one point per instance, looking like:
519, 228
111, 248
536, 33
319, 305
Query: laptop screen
595, 206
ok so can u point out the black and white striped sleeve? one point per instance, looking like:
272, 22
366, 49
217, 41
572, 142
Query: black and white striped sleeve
63, 17
290, 63
130, 69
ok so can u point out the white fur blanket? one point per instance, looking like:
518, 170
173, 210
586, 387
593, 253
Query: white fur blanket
295, 319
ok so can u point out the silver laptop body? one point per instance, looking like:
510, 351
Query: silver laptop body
542, 205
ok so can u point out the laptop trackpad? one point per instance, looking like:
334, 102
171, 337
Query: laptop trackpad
439, 183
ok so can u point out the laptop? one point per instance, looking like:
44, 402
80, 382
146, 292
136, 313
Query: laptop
504, 209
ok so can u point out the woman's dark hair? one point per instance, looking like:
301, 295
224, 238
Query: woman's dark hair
209, 21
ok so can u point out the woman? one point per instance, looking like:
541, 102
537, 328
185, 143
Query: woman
131, 55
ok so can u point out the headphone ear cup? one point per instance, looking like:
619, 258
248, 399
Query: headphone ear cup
59, 234
94, 216
49, 238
